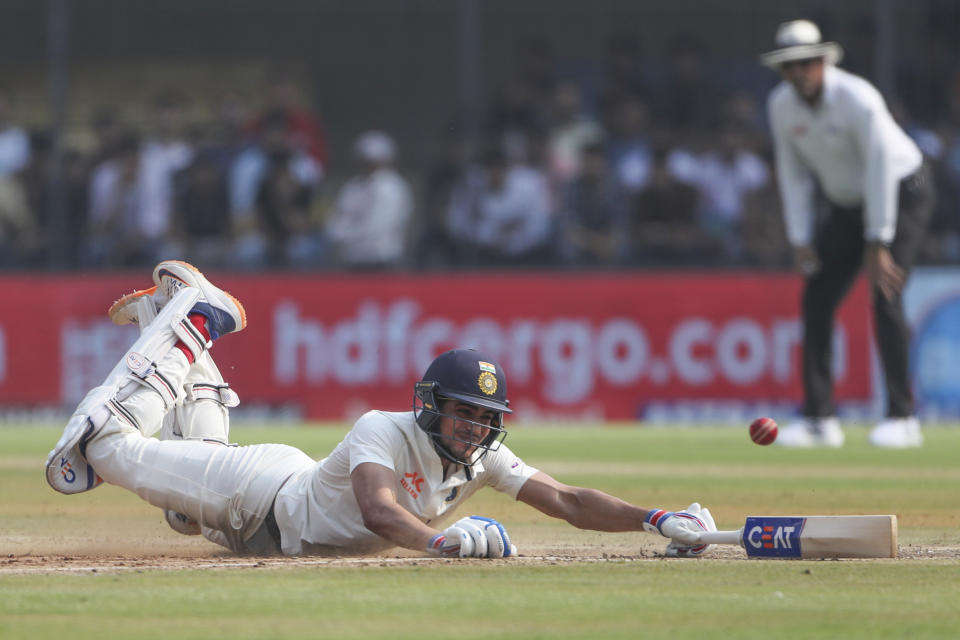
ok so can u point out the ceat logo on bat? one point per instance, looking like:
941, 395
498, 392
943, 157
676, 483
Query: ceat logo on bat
774, 537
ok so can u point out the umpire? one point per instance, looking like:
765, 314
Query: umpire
833, 134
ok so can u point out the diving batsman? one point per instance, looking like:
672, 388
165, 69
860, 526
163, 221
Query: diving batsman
395, 480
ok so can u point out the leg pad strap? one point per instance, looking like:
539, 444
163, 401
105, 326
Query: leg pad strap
219, 392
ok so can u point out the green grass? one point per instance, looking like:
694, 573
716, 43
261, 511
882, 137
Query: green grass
914, 596
656, 599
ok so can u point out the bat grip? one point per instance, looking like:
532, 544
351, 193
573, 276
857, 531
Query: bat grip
723, 537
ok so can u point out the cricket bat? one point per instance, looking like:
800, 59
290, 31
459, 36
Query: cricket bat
813, 536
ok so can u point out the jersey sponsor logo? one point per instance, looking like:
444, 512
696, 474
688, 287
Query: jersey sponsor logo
413, 483
773, 537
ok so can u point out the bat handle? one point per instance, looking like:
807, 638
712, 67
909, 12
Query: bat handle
723, 537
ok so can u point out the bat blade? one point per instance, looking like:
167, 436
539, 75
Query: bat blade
871, 536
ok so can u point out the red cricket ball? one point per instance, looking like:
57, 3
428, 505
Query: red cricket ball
763, 431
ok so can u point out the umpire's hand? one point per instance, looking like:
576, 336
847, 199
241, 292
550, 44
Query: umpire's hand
884, 274
805, 261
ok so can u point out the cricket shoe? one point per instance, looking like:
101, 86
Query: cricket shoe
67, 468
812, 432
223, 312
897, 433
127, 309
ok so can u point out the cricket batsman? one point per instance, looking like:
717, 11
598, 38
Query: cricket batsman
392, 482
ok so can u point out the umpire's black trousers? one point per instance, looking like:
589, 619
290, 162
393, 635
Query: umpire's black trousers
840, 246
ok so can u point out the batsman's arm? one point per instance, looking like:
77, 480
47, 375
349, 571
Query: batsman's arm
375, 489
582, 507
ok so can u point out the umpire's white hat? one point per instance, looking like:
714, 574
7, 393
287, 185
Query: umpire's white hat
800, 40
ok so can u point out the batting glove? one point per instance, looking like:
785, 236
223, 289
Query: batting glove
473, 537
683, 528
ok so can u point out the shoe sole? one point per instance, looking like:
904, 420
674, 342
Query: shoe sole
201, 280
67, 469
116, 309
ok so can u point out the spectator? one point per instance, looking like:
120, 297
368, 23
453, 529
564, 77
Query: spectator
112, 238
725, 177
370, 223
500, 214
433, 247
14, 140
247, 173
744, 112
59, 234
226, 137
164, 152
107, 128
17, 229
571, 129
942, 244
202, 211
629, 144
304, 128
29, 191
593, 214
764, 240
663, 227
926, 138
204, 225
283, 216
76, 172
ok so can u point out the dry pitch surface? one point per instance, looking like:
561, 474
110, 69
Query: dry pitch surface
113, 554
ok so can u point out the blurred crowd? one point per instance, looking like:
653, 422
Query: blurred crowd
630, 169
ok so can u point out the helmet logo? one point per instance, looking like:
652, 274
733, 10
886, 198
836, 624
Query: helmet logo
487, 383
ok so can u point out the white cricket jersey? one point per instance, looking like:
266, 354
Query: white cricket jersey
850, 144
317, 511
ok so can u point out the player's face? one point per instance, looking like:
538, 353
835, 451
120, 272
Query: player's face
806, 76
464, 424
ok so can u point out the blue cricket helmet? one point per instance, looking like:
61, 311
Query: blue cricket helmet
469, 376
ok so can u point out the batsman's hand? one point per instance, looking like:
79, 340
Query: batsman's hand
683, 528
473, 537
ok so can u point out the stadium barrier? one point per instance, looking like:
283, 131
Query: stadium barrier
584, 347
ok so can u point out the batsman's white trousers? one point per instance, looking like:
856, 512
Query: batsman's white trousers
229, 489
